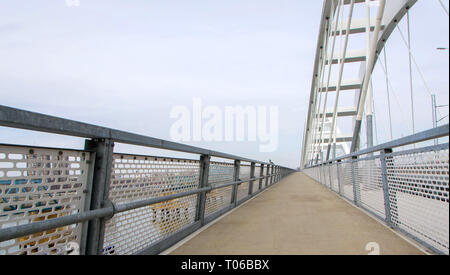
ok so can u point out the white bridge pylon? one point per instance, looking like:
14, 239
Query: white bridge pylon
352, 35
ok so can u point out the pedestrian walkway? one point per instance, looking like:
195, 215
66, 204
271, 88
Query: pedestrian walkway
297, 216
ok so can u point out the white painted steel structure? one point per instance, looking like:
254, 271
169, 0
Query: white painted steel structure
346, 21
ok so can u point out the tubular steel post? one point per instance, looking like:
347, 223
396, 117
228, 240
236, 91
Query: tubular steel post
237, 167
279, 173
355, 187
320, 174
267, 175
203, 182
330, 175
338, 172
252, 175
271, 174
261, 174
275, 177
387, 207
103, 149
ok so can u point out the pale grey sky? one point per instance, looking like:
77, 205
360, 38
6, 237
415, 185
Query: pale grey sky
125, 64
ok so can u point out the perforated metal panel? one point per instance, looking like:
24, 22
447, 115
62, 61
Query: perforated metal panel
256, 183
136, 178
346, 179
218, 199
326, 176
243, 190
244, 172
418, 185
316, 174
334, 177
369, 185
419, 195
38, 184
220, 172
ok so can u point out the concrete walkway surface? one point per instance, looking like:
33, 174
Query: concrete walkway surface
297, 216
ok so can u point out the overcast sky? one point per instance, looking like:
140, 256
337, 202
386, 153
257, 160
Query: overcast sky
126, 64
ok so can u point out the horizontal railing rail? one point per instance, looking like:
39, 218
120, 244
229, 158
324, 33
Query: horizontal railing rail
16, 118
431, 134
406, 189
119, 191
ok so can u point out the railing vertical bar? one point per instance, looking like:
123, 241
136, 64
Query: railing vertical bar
261, 173
338, 173
203, 182
271, 174
252, 175
87, 202
237, 167
354, 182
387, 207
103, 149
330, 175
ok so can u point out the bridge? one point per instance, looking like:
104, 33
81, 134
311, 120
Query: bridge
346, 198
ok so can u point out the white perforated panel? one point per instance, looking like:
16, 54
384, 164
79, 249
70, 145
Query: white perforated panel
326, 175
419, 195
418, 184
369, 185
39, 184
334, 177
346, 179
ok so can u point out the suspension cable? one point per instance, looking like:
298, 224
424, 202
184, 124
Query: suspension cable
388, 95
375, 122
427, 88
410, 75
393, 91
443, 7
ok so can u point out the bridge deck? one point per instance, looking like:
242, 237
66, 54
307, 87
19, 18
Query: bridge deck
296, 216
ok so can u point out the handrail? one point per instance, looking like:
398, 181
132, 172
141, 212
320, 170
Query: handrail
434, 133
16, 118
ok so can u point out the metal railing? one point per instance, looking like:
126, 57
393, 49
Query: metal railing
408, 189
55, 201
